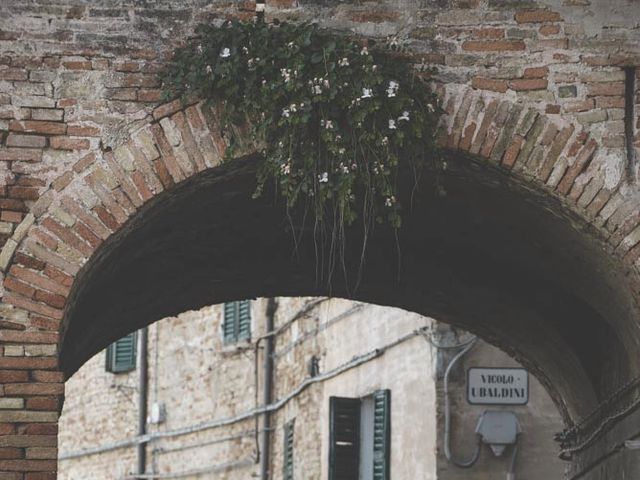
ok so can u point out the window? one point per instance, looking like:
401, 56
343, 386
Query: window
287, 461
237, 321
121, 354
360, 437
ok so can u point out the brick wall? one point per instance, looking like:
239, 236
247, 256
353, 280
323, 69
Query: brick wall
532, 86
199, 379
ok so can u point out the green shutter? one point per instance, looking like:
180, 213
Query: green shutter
344, 438
287, 462
244, 320
382, 435
237, 321
230, 322
121, 354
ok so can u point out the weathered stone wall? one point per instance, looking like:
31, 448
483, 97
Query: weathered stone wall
199, 379
535, 87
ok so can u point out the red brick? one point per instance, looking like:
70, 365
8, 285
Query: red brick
44, 238
80, 131
34, 388
44, 323
87, 234
41, 309
57, 301
77, 65
552, 109
7, 428
537, 16
69, 143
30, 466
28, 363
10, 453
141, 185
84, 162
13, 204
548, 30
610, 102
34, 126
58, 276
41, 429
28, 261
149, 95
536, 72
167, 109
45, 376
24, 193
106, 218
15, 285
40, 476
9, 216
605, 89
580, 105
493, 46
492, 84
364, 16
67, 236
14, 74
20, 155
140, 80
127, 67
525, 84
11, 325
14, 376
44, 403
26, 141
28, 337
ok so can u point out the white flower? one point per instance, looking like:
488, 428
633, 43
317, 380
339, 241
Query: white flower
324, 178
286, 113
328, 125
392, 89
430, 108
341, 151
209, 69
316, 90
293, 107
366, 93
389, 201
245, 50
199, 49
225, 52
285, 168
325, 82
364, 51
404, 116
392, 124
344, 168
286, 74
385, 140
344, 62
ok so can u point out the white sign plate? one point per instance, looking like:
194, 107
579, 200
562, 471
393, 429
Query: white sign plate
497, 386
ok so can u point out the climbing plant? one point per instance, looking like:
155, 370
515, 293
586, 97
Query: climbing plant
336, 118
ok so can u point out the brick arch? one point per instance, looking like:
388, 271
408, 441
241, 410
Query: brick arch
87, 206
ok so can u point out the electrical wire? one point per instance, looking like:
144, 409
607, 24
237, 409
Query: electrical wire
447, 415
222, 422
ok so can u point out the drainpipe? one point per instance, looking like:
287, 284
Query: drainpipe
268, 374
142, 399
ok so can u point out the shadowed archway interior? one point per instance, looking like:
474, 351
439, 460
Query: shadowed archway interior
478, 250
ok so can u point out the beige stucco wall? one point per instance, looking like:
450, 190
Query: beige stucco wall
199, 380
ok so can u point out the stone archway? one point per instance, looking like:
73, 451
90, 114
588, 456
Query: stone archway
519, 249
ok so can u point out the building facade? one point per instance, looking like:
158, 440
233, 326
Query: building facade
356, 392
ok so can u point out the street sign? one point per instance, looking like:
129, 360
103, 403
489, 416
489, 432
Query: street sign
497, 386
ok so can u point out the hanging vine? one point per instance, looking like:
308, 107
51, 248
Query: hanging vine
337, 118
